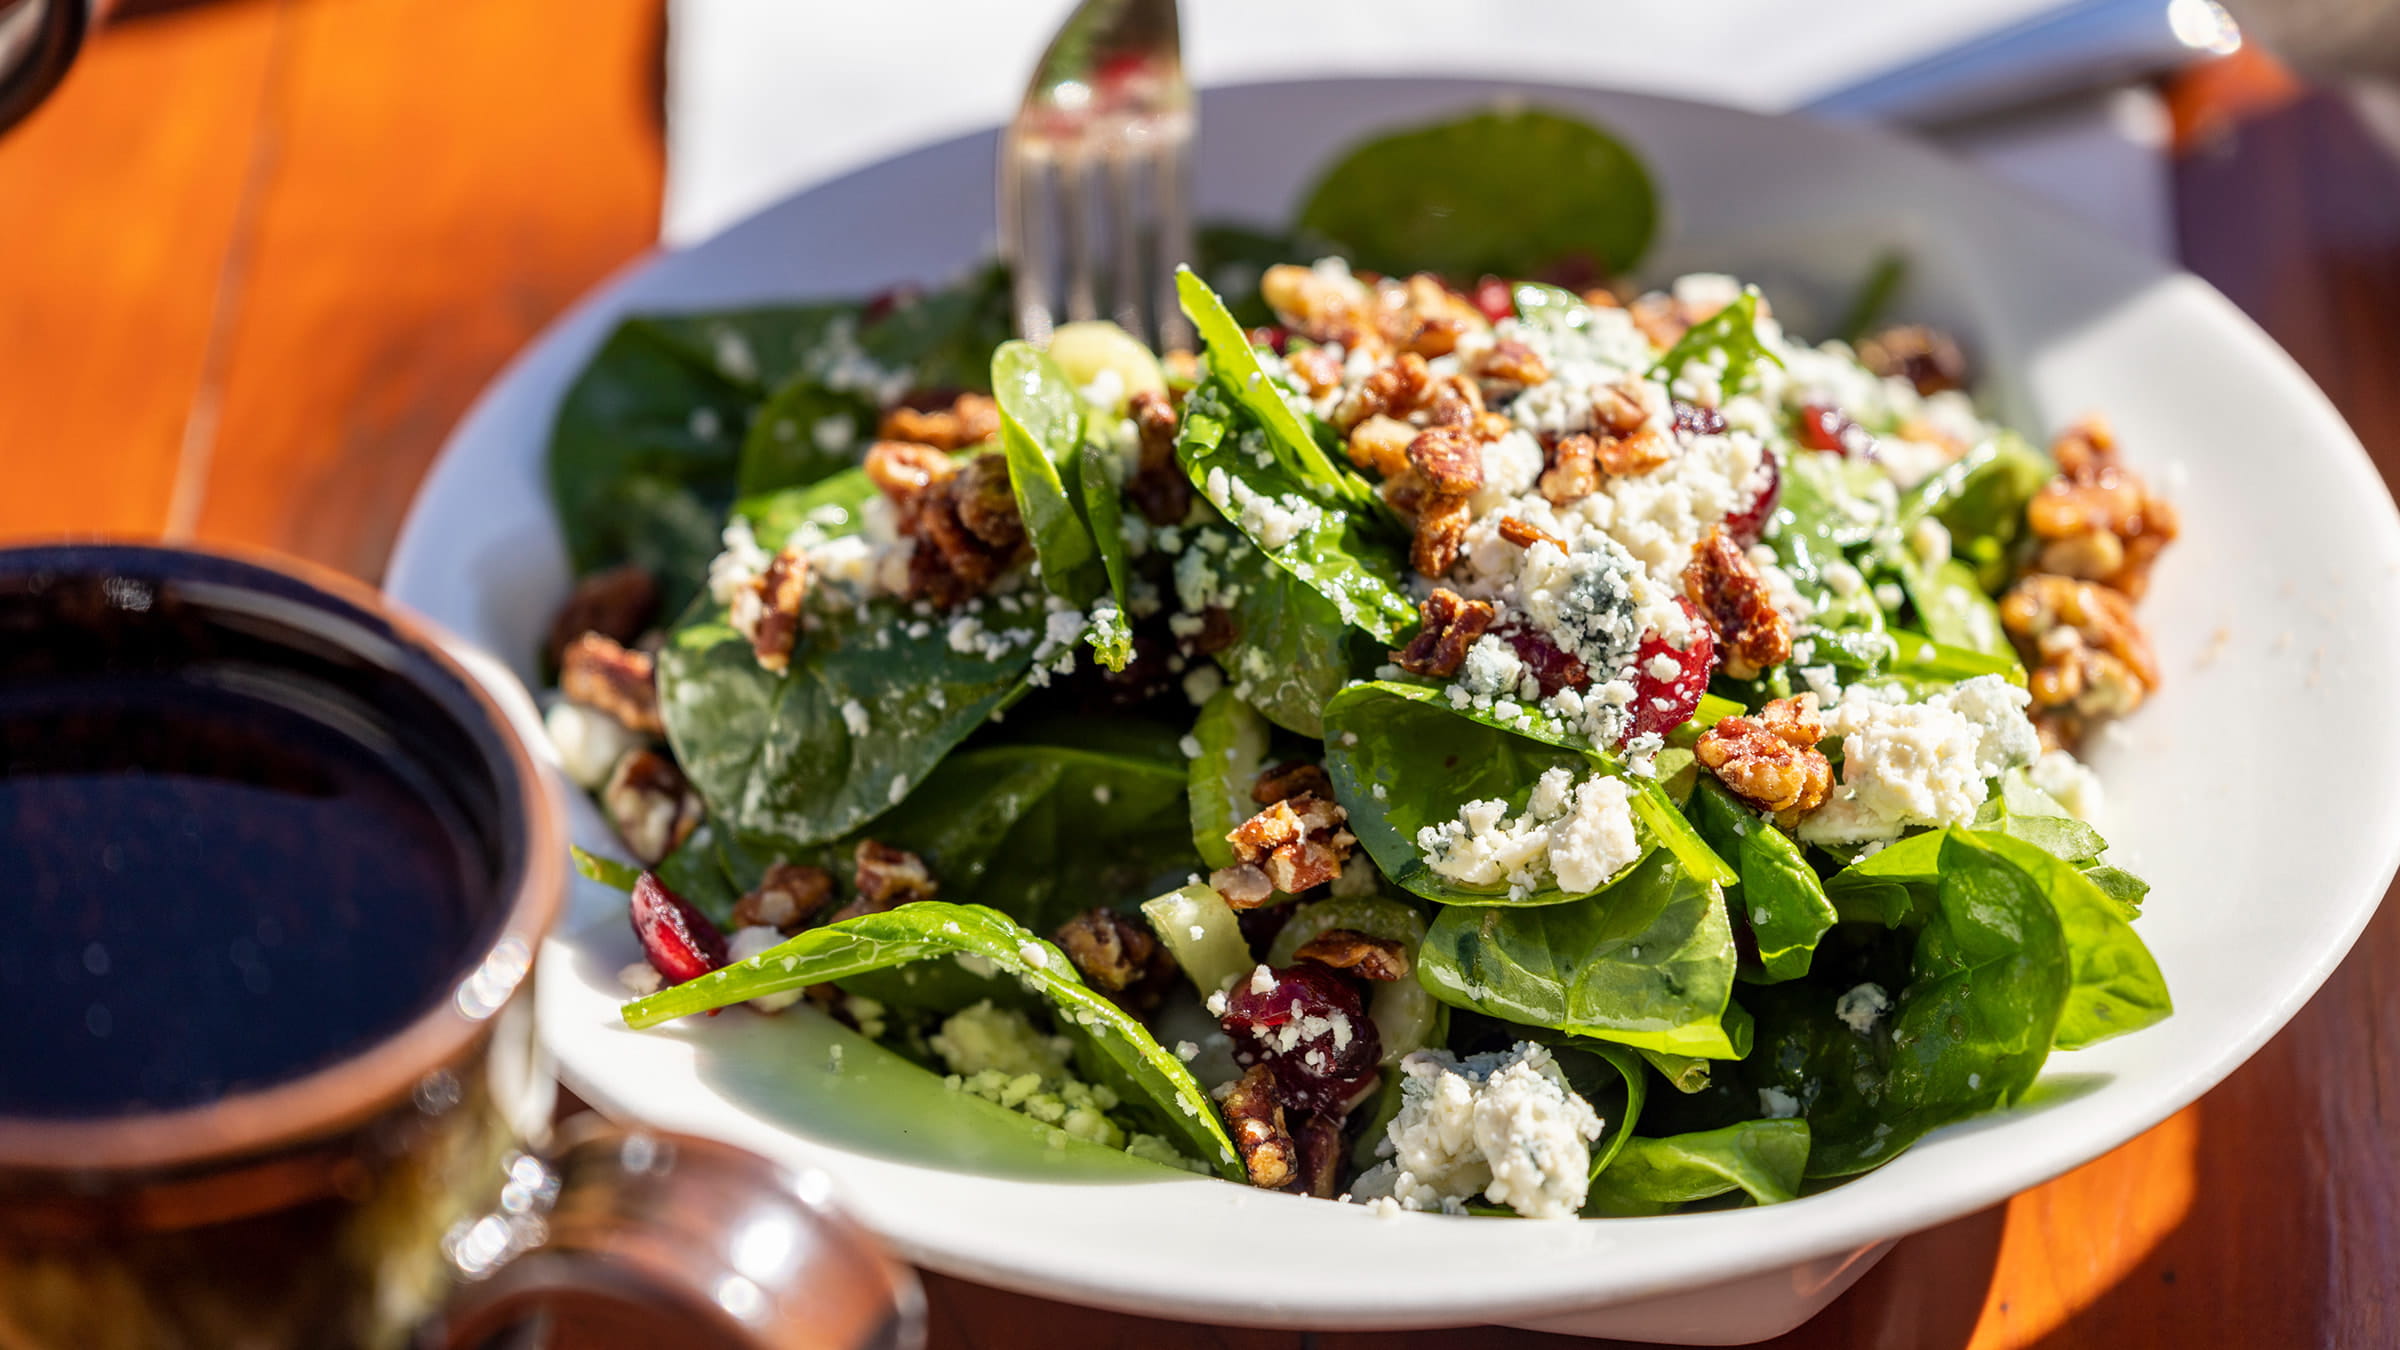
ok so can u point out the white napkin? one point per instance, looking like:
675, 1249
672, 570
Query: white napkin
767, 96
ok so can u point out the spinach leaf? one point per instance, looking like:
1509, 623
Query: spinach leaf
1727, 339
1779, 896
941, 338
1233, 749
1648, 963
1041, 428
1511, 192
1953, 610
1426, 758
1110, 634
834, 504
1981, 500
873, 700
1875, 294
1763, 1158
1291, 649
2123, 888
933, 930
1326, 546
1243, 380
805, 432
2117, 986
2022, 811
1684, 1073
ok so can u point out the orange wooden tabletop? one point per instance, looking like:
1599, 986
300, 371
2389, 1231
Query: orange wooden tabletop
256, 256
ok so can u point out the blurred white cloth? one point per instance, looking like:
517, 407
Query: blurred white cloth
767, 96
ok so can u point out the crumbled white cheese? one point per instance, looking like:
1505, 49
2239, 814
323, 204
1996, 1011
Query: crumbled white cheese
1576, 834
640, 979
1777, 1104
1503, 1125
1272, 521
1262, 981
739, 564
589, 743
1861, 1007
2065, 778
748, 942
1923, 763
854, 716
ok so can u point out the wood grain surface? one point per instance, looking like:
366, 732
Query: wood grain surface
260, 254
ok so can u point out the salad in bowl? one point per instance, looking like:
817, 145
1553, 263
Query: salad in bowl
1450, 742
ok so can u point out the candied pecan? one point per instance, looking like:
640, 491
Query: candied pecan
1455, 401
1371, 958
1771, 761
1617, 410
597, 673
1290, 780
789, 895
651, 805
2089, 656
1448, 459
1428, 318
887, 877
987, 504
1625, 438
2097, 520
1398, 387
1255, 1119
1318, 1135
1659, 318
1574, 471
1724, 585
1450, 624
766, 611
903, 470
1442, 520
971, 419
1381, 443
1298, 842
1217, 632
618, 604
1319, 307
1508, 365
1114, 953
1525, 535
1244, 886
1317, 369
1158, 486
1925, 357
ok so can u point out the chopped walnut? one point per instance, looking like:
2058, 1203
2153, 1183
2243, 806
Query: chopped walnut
1771, 761
1319, 1137
1450, 625
886, 878
2097, 520
1725, 586
1381, 443
904, 470
1318, 307
1255, 1119
1428, 318
617, 604
1317, 369
1508, 366
1396, 388
789, 895
1442, 520
767, 610
971, 419
1574, 471
1371, 958
1114, 953
1298, 842
597, 673
961, 513
1291, 780
1243, 886
651, 805
1448, 458
1525, 535
2089, 656
1925, 357
1456, 401
1158, 486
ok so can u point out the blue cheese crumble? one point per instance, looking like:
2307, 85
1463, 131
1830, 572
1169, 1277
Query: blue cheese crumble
1503, 1125
1575, 834
1928, 763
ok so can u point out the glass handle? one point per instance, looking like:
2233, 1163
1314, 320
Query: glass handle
659, 1239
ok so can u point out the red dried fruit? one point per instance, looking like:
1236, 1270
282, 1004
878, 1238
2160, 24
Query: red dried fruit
1310, 1028
1748, 523
1832, 431
1273, 336
1496, 298
1694, 420
1555, 668
1680, 692
677, 939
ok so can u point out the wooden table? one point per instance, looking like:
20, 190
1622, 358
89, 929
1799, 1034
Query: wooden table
258, 255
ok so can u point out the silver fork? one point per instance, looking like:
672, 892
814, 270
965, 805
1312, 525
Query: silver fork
1094, 167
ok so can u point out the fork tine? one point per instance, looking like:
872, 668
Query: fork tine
1024, 180
1174, 245
1125, 294
1075, 225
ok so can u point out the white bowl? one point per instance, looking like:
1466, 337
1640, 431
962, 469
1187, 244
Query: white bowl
2251, 791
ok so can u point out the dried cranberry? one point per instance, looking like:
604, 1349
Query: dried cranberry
1748, 523
1552, 666
1680, 692
1310, 1028
1694, 420
1832, 431
678, 940
1273, 336
1496, 298
1261, 925
881, 305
